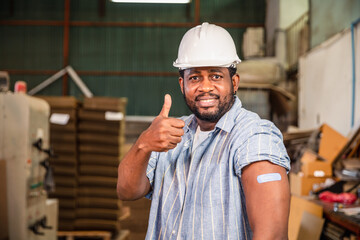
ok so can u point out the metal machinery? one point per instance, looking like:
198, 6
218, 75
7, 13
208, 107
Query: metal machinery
24, 145
4, 81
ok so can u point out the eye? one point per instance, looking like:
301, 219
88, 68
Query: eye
216, 77
194, 78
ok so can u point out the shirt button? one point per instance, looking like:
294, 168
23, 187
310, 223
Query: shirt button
173, 232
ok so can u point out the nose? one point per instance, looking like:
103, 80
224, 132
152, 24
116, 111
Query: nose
206, 85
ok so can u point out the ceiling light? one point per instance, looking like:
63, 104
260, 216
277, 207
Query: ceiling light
151, 1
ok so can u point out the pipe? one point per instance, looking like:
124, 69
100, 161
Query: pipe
353, 24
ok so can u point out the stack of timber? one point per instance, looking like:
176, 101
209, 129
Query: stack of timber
101, 139
63, 141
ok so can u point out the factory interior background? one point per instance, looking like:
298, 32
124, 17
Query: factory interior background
86, 59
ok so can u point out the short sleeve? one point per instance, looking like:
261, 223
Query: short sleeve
150, 171
263, 142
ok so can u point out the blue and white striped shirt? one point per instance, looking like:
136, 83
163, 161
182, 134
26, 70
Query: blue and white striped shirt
197, 194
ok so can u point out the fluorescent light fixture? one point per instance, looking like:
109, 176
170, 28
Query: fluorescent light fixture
151, 1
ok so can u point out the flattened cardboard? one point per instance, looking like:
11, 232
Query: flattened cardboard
96, 224
105, 192
110, 128
66, 225
99, 159
61, 181
351, 163
65, 203
100, 149
64, 159
63, 128
71, 112
93, 170
94, 202
67, 148
67, 214
95, 181
61, 102
105, 103
297, 206
101, 138
64, 192
98, 213
61, 137
331, 143
311, 227
99, 115
64, 171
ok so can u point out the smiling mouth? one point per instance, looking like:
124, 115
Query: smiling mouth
207, 97
207, 101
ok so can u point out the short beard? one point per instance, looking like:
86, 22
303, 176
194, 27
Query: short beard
223, 107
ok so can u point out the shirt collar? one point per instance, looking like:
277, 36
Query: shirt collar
226, 122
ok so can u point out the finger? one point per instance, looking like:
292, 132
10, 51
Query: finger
166, 107
177, 123
172, 146
177, 132
174, 139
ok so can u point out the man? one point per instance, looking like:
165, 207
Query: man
220, 173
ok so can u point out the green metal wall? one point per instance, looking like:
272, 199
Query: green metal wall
130, 49
330, 17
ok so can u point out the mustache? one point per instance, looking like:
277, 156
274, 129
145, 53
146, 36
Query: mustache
207, 94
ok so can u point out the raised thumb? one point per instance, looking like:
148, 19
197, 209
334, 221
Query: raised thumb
166, 107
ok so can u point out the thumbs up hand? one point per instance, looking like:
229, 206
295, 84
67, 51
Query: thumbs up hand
164, 133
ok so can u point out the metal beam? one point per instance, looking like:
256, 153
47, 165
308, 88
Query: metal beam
93, 73
120, 24
65, 84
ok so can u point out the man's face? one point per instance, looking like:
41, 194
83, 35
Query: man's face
208, 91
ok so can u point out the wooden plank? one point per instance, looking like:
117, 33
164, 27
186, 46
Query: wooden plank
105, 235
125, 213
123, 235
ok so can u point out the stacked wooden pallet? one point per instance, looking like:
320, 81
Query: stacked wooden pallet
63, 141
101, 139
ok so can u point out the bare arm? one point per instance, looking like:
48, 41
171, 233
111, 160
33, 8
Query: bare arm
267, 203
163, 134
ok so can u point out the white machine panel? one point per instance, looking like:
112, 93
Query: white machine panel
24, 121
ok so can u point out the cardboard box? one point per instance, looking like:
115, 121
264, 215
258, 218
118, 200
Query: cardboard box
308, 156
331, 143
301, 185
317, 168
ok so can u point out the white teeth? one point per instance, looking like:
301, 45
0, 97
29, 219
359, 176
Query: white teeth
207, 100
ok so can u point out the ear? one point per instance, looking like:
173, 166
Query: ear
181, 83
235, 81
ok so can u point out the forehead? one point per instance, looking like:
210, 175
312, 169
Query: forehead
198, 70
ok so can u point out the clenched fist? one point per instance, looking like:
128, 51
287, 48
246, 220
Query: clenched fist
164, 133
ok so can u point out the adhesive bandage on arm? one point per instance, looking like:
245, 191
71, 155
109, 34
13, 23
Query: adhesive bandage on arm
268, 177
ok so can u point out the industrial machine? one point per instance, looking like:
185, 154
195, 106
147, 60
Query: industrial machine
24, 145
4, 81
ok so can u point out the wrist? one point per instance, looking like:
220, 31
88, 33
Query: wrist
142, 143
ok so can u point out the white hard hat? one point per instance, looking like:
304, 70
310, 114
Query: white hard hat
206, 45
